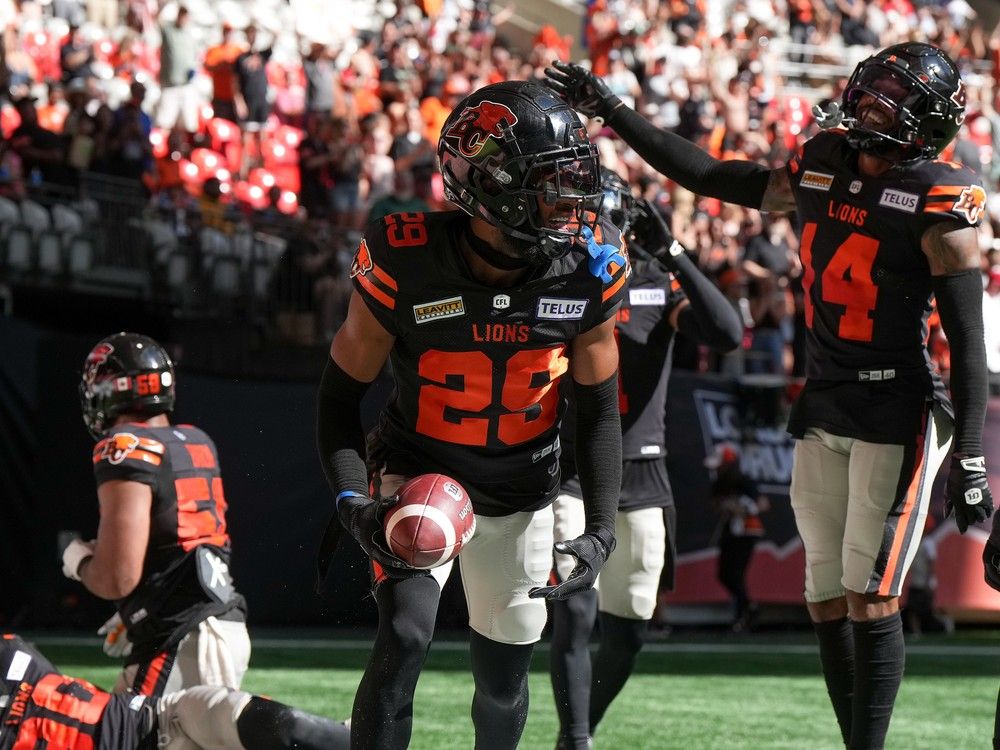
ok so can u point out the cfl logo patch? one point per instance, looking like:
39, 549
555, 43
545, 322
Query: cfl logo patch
973, 496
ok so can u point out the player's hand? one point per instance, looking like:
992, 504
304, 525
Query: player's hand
591, 552
116, 642
363, 517
73, 556
582, 90
991, 555
967, 492
659, 238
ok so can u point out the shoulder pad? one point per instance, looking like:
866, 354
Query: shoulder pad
120, 446
955, 191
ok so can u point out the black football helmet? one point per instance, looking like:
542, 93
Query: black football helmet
126, 373
921, 86
617, 203
510, 147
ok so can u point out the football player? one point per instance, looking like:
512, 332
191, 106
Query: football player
162, 549
41, 707
666, 293
885, 225
482, 311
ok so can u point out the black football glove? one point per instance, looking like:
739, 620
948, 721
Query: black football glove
967, 492
363, 517
582, 90
659, 240
991, 555
591, 551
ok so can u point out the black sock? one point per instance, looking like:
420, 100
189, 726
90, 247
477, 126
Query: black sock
996, 726
569, 665
879, 658
836, 652
500, 703
621, 641
383, 706
268, 725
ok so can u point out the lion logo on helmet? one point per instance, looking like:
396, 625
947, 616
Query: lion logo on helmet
477, 124
97, 357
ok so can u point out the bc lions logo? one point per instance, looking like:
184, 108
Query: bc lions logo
362, 260
972, 203
97, 357
958, 99
478, 124
119, 446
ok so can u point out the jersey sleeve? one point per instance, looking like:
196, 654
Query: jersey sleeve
675, 295
373, 279
128, 457
956, 194
613, 291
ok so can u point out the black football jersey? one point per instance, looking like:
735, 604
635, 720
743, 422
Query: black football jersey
867, 283
40, 707
476, 368
185, 572
645, 343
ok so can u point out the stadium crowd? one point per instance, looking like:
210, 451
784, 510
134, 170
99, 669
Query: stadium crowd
232, 122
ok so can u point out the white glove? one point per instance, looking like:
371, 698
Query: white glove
75, 553
116, 642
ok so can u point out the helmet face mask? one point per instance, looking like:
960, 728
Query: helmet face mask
126, 373
514, 155
617, 202
904, 103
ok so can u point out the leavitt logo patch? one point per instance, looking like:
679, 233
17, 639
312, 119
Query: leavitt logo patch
442, 308
816, 181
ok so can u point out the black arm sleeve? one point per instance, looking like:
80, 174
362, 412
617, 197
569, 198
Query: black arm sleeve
599, 454
960, 304
710, 319
733, 180
339, 434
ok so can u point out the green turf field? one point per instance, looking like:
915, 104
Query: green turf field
689, 693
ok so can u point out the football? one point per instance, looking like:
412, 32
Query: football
431, 522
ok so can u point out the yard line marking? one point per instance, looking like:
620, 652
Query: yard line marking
662, 647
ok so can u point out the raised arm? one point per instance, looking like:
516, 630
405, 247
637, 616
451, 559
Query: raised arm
733, 180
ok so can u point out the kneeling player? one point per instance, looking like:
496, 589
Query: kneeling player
41, 707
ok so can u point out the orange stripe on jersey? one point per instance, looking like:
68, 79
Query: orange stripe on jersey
148, 686
149, 458
375, 292
385, 278
610, 291
904, 519
939, 208
950, 190
201, 456
154, 446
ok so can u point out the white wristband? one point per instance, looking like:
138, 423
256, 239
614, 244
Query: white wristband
73, 556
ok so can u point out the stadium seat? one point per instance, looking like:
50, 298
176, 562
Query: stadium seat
178, 270
226, 281
214, 244
65, 220
35, 217
162, 239
50, 253
20, 249
80, 254
10, 214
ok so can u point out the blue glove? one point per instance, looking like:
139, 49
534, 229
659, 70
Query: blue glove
601, 256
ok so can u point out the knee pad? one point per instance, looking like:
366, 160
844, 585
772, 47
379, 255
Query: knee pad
268, 725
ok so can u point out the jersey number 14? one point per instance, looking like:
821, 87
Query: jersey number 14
846, 280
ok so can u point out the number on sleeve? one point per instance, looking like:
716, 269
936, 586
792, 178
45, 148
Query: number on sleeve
406, 230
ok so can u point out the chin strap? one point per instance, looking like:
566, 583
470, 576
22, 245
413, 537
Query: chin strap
492, 256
